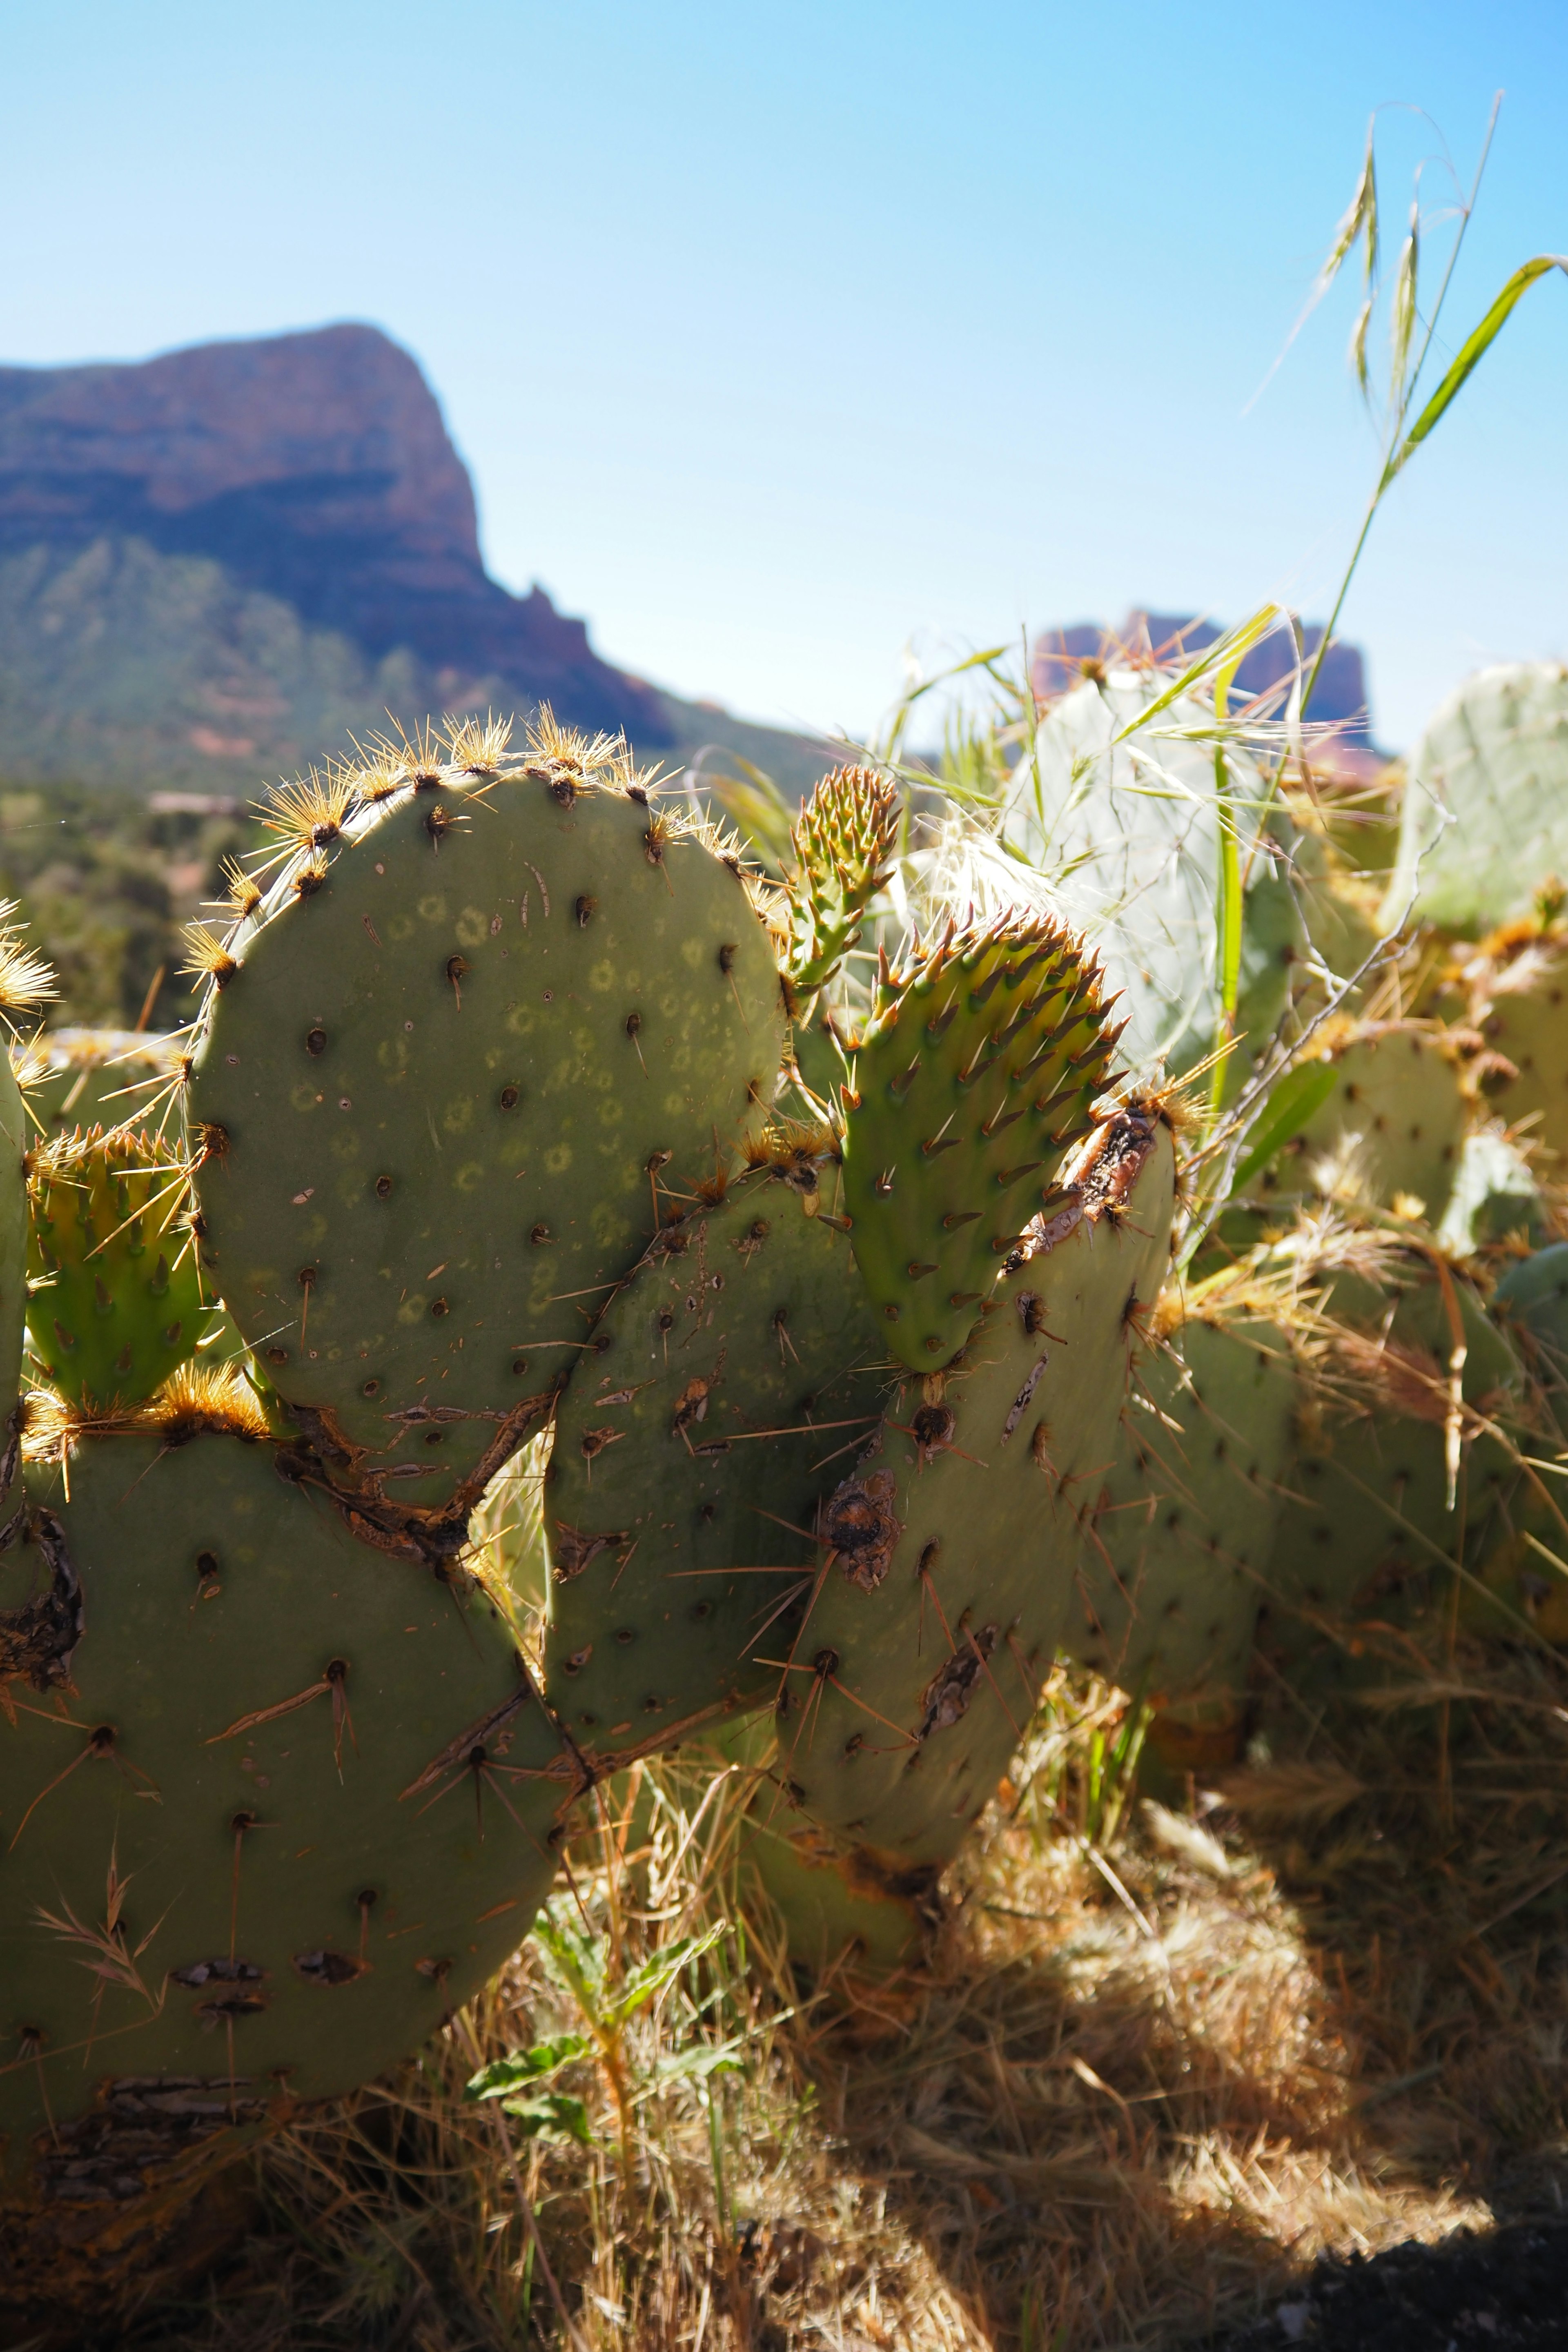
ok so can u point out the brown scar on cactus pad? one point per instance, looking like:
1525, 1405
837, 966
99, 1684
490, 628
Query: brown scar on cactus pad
401, 1128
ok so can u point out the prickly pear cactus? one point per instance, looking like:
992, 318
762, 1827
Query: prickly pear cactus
973, 1080
1401, 1466
948, 1556
1116, 809
1531, 1302
1390, 1131
272, 1807
1520, 1004
1168, 1592
1486, 802
115, 1300
1496, 1200
491, 1020
841, 842
738, 1363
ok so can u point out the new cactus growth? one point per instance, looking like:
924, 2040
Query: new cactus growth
841, 842
739, 1362
972, 1082
272, 1805
489, 1019
115, 1301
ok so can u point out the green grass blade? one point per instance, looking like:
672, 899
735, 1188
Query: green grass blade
1471, 354
1237, 643
1298, 1095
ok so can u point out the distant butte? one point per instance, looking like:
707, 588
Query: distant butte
315, 469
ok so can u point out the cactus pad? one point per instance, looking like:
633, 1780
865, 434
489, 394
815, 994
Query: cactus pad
115, 1300
1520, 1004
272, 1805
951, 1543
1485, 811
738, 1360
1169, 1591
1394, 1125
1396, 1477
973, 1081
453, 1068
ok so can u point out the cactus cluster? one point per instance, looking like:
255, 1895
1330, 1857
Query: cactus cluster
478, 1157
536, 1168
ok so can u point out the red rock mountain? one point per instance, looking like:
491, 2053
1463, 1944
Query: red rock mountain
314, 468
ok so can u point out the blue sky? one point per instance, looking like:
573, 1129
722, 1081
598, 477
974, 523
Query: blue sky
778, 339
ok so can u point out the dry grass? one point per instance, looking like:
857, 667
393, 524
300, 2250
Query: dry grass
1141, 2086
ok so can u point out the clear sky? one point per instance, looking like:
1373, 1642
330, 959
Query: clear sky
778, 339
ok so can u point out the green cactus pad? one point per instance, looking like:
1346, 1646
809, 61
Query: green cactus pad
292, 1800
738, 1364
1168, 1593
954, 1541
115, 1300
1369, 1465
1520, 1004
1531, 1302
1394, 1123
1485, 814
841, 840
847, 1914
450, 1080
972, 1083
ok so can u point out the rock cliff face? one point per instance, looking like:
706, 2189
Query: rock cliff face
1339, 695
313, 468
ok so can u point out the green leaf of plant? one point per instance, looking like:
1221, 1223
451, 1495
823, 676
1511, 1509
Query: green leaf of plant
1291, 1104
645, 1984
552, 2115
573, 1957
1471, 354
700, 2061
504, 2075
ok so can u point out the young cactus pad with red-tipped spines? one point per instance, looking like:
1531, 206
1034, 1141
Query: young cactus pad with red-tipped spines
453, 1069
842, 840
115, 1298
970, 1082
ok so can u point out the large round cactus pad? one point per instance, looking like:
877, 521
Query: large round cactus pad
444, 1096
271, 1805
